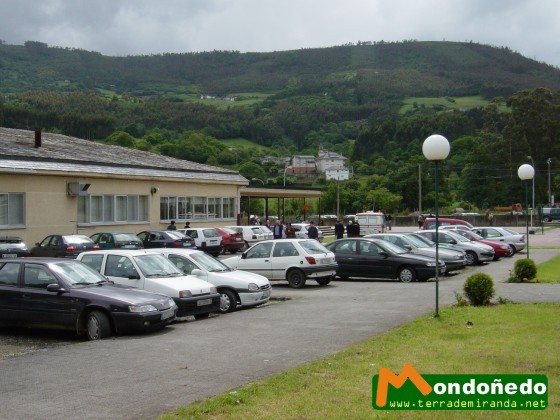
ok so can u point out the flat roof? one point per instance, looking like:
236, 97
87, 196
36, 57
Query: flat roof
278, 193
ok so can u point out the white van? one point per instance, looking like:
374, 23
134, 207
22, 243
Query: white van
153, 272
370, 222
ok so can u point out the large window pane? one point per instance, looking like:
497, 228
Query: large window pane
199, 207
121, 211
184, 205
228, 207
214, 208
12, 209
143, 215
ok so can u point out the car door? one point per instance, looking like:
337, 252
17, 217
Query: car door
10, 292
374, 262
121, 270
258, 260
47, 247
346, 258
39, 306
284, 255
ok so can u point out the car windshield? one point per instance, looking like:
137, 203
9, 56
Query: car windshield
209, 263
313, 247
511, 232
173, 234
210, 233
77, 274
427, 241
391, 247
417, 242
156, 266
457, 237
470, 235
126, 237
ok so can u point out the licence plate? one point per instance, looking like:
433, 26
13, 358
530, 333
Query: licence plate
167, 314
266, 293
213, 242
185, 244
130, 246
9, 255
203, 302
325, 260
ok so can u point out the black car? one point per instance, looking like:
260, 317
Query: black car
13, 246
379, 259
117, 240
63, 246
66, 294
165, 239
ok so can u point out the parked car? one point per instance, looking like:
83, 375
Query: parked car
550, 214
236, 288
117, 240
514, 239
232, 241
165, 239
501, 249
430, 222
379, 259
295, 260
12, 247
251, 234
301, 231
453, 259
66, 294
476, 252
268, 234
153, 272
63, 246
205, 239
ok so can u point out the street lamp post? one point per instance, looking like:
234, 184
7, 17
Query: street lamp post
436, 148
526, 172
549, 161
533, 193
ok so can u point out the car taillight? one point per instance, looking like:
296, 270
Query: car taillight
141, 244
176, 244
117, 246
311, 260
70, 249
96, 247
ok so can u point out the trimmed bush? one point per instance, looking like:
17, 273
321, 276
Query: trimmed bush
479, 289
524, 269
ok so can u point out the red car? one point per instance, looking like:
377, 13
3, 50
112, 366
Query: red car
232, 241
501, 249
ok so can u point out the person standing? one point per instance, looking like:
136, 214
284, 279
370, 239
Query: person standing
290, 231
172, 226
277, 230
388, 220
312, 231
420, 221
356, 229
338, 229
349, 229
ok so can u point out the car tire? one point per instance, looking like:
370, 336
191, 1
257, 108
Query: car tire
323, 281
98, 326
296, 278
546, 219
202, 316
407, 274
228, 301
513, 250
472, 258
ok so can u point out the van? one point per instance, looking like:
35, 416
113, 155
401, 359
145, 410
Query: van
370, 222
430, 223
550, 214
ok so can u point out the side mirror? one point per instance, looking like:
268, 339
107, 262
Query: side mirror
407, 247
244, 256
55, 288
197, 272
383, 254
134, 277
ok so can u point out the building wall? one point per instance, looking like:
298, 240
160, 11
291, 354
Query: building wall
49, 210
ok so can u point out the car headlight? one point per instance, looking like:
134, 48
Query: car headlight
142, 308
185, 294
213, 290
253, 287
171, 303
431, 264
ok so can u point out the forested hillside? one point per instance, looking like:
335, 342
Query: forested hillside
349, 99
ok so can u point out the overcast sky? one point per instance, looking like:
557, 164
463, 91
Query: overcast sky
134, 27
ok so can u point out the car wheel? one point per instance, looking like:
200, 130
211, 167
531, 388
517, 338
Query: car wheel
407, 274
202, 316
296, 278
472, 258
228, 301
324, 281
98, 326
513, 251
546, 219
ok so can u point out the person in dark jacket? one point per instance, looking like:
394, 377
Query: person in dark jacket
338, 229
312, 231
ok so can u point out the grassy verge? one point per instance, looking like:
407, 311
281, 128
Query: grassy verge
547, 272
503, 339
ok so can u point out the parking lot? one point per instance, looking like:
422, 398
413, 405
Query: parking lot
142, 376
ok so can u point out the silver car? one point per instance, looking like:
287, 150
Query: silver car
453, 259
514, 239
476, 252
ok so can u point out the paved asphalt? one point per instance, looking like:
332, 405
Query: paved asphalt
143, 376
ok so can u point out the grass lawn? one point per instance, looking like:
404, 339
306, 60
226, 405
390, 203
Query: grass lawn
503, 339
547, 272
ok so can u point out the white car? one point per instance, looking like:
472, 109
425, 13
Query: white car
236, 288
251, 234
151, 271
301, 231
295, 260
476, 252
205, 239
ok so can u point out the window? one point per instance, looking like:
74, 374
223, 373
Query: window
9, 274
105, 209
181, 208
260, 250
93, 261
37, 278
12, 207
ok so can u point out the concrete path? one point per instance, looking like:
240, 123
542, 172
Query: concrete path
140, 377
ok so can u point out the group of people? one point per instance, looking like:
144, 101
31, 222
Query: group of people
352, 229
280, 231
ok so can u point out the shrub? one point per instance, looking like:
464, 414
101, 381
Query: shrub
479, 289
461, 301
523, 270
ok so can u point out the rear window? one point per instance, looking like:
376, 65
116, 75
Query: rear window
210, 233
126, 237
370, 219
78, 239
313, 247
